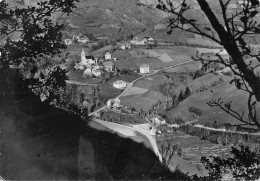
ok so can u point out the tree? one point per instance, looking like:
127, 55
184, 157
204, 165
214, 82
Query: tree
168, 150
187, 92
230, 29
181, 97
244, 164
26, 63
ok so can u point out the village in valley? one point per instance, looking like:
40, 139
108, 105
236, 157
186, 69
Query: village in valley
126, 71
149, 83
129, 77
153, 83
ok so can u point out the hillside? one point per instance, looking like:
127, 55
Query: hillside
226, 91
111, 17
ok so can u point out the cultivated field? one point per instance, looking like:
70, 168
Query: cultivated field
143, 101
156, 58
189, 67
145, 93
108, 91
152, 82
135, 90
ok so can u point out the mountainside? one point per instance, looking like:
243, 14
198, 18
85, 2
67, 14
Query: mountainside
111, 17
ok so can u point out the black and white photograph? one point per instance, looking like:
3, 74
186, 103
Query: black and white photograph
130, 90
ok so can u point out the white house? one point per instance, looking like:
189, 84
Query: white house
68, 42
108, 56
87, 72
128, 46
109, 104
120, 84
158, 120
144, 69
83, 39
96, 72
151, 41
114, 103
138, 41
123, 47
117, 103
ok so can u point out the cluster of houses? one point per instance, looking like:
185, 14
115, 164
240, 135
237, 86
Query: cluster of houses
91, 65
125, 46
138, 41
80, 38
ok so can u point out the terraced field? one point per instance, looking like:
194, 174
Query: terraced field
193, 148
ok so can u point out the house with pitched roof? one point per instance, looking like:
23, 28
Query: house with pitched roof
144, 69
108, 56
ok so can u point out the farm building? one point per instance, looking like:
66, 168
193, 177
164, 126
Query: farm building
83, 39
92, 71
125, 46
96, 72
144, 69
68, 42
108, 56
109, 66
109, 104
158, 120
114, 103
117, 103
119, 84
151, 41
138, 41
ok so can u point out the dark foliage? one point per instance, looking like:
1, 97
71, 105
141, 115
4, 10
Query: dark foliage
195, 110
243, 165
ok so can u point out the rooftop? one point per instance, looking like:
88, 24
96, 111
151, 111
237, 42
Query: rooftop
144, 66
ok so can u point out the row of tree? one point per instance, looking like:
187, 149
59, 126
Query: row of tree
120, 118
223, 138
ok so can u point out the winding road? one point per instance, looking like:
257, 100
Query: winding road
129, 85
129, 131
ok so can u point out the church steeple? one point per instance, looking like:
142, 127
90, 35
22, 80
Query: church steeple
83, 57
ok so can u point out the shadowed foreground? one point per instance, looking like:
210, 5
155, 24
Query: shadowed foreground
42, 142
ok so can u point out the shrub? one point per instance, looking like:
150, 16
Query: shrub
195, 110
228, 73
179, 151
179, 121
